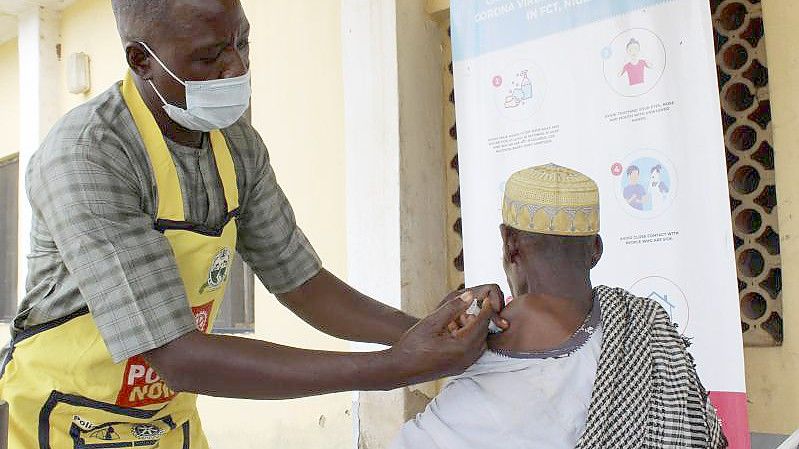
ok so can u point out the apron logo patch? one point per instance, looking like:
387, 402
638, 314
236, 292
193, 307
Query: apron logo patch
83, 424
218, 272
105, 434
141, 385
202, 316
147, 431
120, 434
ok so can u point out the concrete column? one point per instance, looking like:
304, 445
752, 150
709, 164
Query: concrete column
371, 112
39, 80
396, 214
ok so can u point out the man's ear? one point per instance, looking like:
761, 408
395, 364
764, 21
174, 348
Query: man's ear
139, 60
510, 244
597, 250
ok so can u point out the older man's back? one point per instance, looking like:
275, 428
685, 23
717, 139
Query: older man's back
580, 366
529, 400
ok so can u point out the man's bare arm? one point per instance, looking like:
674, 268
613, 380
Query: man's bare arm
243, 368
330, 305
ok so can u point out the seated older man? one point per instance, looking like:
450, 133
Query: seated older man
580, 366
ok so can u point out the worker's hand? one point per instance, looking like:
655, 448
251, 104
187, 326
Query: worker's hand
487, 292
430, 350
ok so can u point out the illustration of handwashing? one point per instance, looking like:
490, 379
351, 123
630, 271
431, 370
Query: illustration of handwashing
522, 90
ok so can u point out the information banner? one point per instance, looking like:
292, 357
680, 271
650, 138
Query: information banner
624, 91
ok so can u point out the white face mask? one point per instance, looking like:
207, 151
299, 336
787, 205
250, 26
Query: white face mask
210, 105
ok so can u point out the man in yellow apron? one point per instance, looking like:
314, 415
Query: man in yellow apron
141, 199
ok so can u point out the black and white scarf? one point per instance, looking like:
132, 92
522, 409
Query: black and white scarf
647, 393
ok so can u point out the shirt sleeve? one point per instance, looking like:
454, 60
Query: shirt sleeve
627, 193
89, 200
269, 239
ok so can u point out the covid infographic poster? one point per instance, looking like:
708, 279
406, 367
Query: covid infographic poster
624, 91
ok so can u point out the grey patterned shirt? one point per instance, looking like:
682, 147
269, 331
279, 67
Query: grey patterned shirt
93, 243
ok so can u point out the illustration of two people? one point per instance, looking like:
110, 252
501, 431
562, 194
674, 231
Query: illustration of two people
636, 67
638, 197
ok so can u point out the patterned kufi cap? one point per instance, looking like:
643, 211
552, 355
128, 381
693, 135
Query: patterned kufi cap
550, 199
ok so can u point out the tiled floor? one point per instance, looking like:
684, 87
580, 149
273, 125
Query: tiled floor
767, 440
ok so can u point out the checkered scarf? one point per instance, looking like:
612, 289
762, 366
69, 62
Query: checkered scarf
647, 393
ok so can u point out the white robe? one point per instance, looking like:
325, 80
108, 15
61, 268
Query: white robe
510, 403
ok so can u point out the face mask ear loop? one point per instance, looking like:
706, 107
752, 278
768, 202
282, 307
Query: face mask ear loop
162, 65
163, 100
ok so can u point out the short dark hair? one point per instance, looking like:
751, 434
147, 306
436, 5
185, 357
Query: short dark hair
569, 246
134, 17
631, 169
633, 42
657, 168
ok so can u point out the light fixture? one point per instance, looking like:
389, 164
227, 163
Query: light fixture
78, 73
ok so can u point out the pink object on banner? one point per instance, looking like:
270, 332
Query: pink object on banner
731, 408
635, 72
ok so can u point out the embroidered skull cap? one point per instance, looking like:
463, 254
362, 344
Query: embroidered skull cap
550, 199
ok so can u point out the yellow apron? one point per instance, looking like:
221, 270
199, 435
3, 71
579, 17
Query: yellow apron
63, 389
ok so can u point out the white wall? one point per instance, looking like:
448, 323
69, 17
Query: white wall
9, 98
298, 109
88, 26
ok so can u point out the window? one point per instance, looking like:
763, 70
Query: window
9, 197
236, 315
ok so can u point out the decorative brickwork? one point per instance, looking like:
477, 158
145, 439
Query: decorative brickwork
746, 112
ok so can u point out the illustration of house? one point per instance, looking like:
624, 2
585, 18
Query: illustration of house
664, 301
